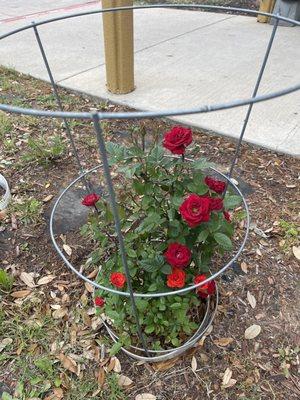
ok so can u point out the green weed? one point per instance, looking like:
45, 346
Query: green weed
5, 125
288, 357
29, 211
9, 146
290, 235
6, 281
44, 151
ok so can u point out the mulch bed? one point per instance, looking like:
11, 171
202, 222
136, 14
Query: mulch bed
268, 269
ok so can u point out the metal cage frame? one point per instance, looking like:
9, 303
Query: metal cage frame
97, 117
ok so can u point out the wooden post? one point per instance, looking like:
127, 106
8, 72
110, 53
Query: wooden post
265, 6
118, 45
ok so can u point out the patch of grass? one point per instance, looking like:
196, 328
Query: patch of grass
291, 234
29, 210
6, 282
30, 121
288, 357
44, 151
49, 100
9, 146
114, 392
5, 125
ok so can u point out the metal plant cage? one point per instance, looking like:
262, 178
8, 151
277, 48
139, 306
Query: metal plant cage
143, 352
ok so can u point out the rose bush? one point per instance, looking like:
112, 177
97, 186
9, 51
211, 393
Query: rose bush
174, 219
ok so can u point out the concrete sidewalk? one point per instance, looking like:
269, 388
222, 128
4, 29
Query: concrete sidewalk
183, 59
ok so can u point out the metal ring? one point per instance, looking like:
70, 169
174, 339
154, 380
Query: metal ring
149, 295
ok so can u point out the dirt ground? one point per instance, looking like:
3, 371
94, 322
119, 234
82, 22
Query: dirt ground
248, 4
52, 346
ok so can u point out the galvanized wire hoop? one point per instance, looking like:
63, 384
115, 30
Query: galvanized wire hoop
97, 117
152, 294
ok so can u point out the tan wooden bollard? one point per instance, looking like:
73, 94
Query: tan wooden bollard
265, 6
118, 46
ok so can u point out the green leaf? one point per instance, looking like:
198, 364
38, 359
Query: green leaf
175, 342
115, 348
230, 202
6, 396
57, 382
139, 187
149, 329
223, 240
131, 253
152, 221
198, 188
166, 269
201, 164
175, 306
176, 201
152, 287
141, 304
116, 152
152, 264
202, 236
156, 154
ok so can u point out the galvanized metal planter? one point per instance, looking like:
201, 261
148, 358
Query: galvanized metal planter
98, 117
5, 199
138, 353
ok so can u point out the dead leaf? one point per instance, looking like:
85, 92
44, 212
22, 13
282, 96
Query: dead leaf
124, 381
111, 364
227, 376
68, 363
5, 342
258, 252
27, 279
223, 341
291, 186
55, 306
117, 367
101, 377
67, 249
165, 365
60, 313
244, 267
251, 299
145, 396
194, 364
204, 357
20, 294
93, 274
231, 383
252, 331
58, 393
14, 223
45, 280
47, 198
89, 287
296, 252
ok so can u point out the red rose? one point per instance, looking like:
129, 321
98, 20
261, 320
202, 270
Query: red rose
118, 279
207, 289
195, 209
216, 204
176, 279
227, 216
90, 199
215, 185
99, 301
177, 139
178, 255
